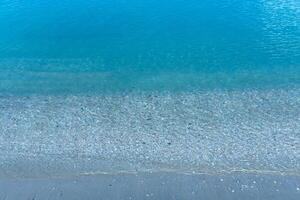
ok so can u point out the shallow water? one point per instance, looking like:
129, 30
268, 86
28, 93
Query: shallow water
93, 87
201, 132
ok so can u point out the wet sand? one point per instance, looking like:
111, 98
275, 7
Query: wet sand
155, 186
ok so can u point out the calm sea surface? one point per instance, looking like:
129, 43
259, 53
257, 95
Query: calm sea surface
75, 46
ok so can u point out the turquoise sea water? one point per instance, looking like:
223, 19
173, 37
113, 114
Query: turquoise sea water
125, 86
74, 46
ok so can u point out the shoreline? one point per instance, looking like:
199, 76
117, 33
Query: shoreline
155, 186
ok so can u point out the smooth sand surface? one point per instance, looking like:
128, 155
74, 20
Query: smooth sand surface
155, 186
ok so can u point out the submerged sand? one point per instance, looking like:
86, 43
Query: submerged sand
212, 132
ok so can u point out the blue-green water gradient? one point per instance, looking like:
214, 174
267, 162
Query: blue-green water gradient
75, 46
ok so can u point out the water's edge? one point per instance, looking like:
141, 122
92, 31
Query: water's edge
155, 186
